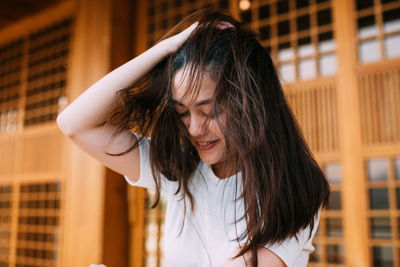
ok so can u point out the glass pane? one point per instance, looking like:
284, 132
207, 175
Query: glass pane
391, 20
246, 16
283, 28
377, 169
301, 3
282, 6
303, 22
362, 4
327, 65
333, 172
380, 228
398, 197
366, 27
392, 46
334, 227
287, 72
335, 253
378, 198
397, 167
151, 260
305, 47
263, 12
285, 52
335, 201
152, 240
307, 69
316, 255
264, 32
382, 256
324, 17
398, 227
326, 42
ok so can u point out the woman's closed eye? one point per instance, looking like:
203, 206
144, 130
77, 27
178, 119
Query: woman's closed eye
182, 114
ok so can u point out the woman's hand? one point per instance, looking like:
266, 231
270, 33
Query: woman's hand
174, 42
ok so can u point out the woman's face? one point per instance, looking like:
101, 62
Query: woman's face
197, 115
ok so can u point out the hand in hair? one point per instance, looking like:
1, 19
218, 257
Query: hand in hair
175, 41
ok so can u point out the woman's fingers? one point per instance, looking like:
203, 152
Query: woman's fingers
177, 40
223, 25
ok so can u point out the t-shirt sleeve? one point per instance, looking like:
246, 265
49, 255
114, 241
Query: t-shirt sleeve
295, 252
146, 179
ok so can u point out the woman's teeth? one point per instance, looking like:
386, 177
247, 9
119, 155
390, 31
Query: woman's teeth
205, 143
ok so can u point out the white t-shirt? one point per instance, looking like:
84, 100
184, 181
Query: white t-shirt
209, 235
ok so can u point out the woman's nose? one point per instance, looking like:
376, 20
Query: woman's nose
196, 126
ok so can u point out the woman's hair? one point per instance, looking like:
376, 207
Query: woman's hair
283, 186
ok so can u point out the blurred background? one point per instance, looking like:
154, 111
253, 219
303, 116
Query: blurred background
340, 66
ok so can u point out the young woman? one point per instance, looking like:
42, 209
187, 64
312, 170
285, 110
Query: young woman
215, 136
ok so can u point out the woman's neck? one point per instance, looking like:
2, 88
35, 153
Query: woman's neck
223, 170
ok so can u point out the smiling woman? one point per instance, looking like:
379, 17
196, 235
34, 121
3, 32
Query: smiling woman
216, 137
197, 116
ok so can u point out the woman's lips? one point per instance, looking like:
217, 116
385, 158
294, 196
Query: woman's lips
206, 145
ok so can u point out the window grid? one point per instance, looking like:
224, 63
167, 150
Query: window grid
6, 207
378, 29
298, 34
329, 239
383, 191
379, 105
163, 15
315, 108
11, 61
153, 237
33, 72
47, 65
38, 224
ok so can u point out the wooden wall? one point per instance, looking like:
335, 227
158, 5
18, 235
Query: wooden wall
59, 207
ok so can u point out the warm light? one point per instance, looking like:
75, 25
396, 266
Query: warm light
244, 4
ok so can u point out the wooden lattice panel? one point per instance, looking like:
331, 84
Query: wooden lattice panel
5, 223
154, 232
383, 193
163, 15
378, 29
380, 106
329, 240
299, 35
11, 59
38, 224
315, 108
47, 66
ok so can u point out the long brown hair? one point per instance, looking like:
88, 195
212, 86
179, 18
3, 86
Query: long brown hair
283, 186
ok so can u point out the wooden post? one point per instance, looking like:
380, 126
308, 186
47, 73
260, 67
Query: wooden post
354, 190
116, 225
137, 196
90, 60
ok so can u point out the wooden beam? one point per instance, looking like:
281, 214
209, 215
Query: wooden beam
354, 190
90, 60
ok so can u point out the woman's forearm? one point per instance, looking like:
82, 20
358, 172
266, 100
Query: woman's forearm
93, 106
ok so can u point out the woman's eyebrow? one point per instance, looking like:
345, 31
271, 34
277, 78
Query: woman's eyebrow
200, 103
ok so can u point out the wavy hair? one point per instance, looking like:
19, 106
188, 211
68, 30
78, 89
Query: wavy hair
283, 186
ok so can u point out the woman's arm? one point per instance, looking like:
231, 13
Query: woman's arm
265, 258
82, 121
